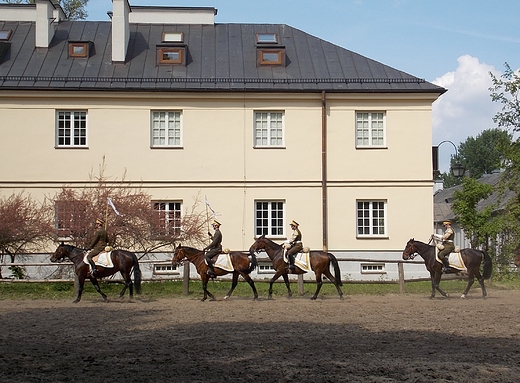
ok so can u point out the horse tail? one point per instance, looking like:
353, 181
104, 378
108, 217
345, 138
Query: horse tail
137, 274
254, 262
488, 265
337, 272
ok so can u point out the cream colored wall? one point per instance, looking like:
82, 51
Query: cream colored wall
218, 159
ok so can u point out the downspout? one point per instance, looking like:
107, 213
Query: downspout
324, 171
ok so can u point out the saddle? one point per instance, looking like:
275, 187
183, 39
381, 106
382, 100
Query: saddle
454, 259
223, 261
102, 259
301, 259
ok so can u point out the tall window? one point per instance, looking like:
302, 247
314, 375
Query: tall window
166, 129
70, 218
370, 129
269, 129
169, 222
269, 218
71, 128
371, 218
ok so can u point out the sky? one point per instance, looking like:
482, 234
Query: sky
451, 43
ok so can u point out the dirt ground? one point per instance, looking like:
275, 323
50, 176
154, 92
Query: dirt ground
390, 338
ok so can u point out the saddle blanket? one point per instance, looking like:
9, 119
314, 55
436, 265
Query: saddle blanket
224, 262
301, 260
102, 259
454, 259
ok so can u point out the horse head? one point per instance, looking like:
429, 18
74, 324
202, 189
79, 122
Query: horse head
260, 244
178, 255
60, 254
409, 251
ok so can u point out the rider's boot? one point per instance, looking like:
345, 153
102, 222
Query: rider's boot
211, 270
446, 269
291, 262
94, 269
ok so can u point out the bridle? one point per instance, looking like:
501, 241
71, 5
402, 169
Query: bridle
412, 250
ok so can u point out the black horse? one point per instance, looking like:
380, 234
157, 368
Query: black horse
124, 262
320, 264
472, 259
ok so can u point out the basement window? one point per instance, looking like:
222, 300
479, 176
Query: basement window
5, 34
79, 49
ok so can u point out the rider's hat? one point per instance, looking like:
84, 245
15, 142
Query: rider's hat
99, 221
446, 222
215, 222
294, 223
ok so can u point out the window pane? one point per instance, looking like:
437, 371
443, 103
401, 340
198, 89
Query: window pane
269, 218
268, 129
166, 128
370, 129
72, 128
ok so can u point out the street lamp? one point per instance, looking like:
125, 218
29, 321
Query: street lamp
457, 170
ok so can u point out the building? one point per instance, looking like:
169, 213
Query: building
268, 122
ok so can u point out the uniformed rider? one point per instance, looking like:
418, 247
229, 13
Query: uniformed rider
214, 248
446, 240
98, 244
295, 244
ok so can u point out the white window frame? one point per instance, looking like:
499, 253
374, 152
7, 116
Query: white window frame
370, 129
373, 268
267, 132
368, 215
265, 267
271, 209
71, 128
162, 134
172, 212
165, 269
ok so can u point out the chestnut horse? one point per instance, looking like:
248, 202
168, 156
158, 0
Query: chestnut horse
124, 262
320, 264
472, 259
242, 265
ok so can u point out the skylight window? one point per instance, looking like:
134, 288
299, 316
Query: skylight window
171, 55
266, 38
172, 37
5, 34
79, 49
271, 56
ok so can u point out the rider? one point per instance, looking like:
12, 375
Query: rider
98, 244
294, 245
214, 248
447, 243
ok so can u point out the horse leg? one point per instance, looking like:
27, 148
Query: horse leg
328, 274
286, 280
319, 283
233, 284
471, 280
98, 289
273, 279
207, 294
435, 282
251, 283
128, 285
81, 285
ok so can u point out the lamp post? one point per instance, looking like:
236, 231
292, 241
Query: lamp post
457, 170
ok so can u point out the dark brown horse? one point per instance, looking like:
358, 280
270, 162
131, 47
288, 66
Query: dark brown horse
124, 262
320, 264
472, 259
240, 261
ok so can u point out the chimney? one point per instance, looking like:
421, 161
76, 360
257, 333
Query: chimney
120, 29
44, 23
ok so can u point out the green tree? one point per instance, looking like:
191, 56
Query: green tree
478, 224
74, 9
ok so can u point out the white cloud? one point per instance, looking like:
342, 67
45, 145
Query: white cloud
466, 108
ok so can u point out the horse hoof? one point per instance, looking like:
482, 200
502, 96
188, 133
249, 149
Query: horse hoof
313, 298
463, 296
226, 297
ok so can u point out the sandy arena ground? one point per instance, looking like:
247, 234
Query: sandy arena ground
390, 338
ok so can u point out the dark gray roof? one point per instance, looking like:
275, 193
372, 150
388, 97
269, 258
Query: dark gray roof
443, 199
221, 57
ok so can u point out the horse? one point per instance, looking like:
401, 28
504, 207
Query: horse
320, 264
517, 256
472, 259
124, 262
239, 261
